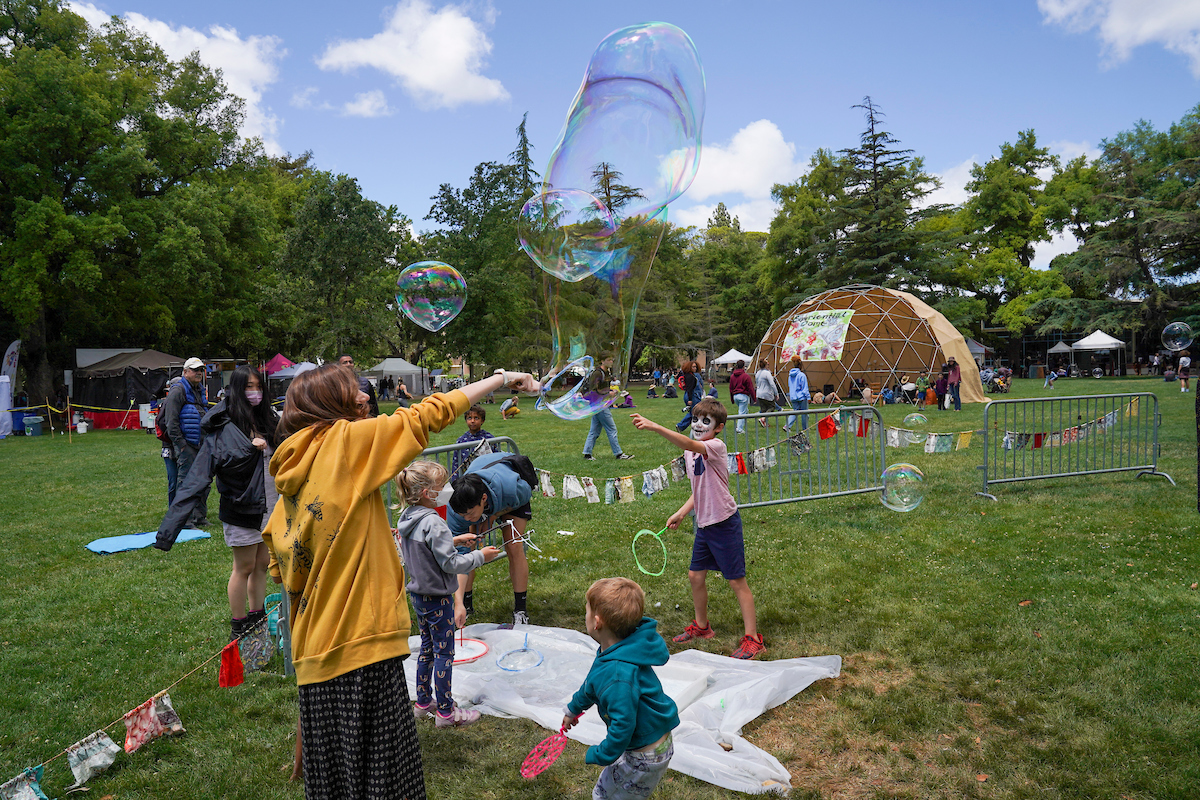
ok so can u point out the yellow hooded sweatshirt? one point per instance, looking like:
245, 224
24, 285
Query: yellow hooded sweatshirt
330, 540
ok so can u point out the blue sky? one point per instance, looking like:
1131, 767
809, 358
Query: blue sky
408, 95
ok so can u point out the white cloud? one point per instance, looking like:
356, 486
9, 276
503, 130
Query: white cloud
754, 160
437, 56
367, 104
1123, 25
755, 215
954, 185
1066, 150
248, 65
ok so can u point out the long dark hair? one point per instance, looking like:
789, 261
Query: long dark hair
260, 419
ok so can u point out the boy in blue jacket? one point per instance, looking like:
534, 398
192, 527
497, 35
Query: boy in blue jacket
627, 693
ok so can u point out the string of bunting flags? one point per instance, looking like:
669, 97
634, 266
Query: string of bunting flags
147, 721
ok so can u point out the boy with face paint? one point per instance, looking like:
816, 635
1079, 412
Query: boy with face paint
719, 543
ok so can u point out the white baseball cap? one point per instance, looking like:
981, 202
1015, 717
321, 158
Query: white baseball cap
193, 363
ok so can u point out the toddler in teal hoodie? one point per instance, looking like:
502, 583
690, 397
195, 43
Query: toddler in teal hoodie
625, 690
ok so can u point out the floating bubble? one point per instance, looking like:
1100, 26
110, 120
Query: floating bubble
568, 233
915, 423
431, 294
566, 393
632, 134
903, 487
1177, 336
1097, 373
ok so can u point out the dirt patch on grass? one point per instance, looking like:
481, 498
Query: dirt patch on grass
827, 745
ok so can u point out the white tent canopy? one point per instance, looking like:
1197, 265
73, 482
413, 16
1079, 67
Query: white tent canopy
1098, 340
403, 371
1061, 347
732, 356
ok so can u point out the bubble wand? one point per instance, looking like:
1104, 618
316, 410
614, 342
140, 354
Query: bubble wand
544, 754
658, 538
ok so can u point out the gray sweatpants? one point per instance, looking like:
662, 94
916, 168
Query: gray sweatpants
634, 774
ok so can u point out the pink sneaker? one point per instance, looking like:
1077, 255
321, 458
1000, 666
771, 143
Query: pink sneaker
422, 712
459, 718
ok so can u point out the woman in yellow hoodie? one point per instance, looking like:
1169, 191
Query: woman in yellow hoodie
332, 549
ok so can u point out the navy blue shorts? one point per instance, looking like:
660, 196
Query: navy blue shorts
720, 547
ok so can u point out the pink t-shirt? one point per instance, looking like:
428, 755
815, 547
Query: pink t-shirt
710, 483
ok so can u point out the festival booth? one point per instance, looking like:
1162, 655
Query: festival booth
278, 382
731, 357
1099, 341
867, 333
404, 372
280, 361
110, 392
979, 352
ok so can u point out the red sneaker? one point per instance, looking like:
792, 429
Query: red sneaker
750, 647
694, 631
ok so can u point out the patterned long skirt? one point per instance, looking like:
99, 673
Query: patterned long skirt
360, 738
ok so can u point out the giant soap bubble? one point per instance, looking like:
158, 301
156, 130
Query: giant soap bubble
431, 294
1177, 336
568, 395
903, 487
915, 425
568, 233
630, 145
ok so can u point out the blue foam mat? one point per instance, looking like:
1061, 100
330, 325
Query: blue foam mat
136, 541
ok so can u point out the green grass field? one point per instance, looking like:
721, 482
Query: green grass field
1044, 646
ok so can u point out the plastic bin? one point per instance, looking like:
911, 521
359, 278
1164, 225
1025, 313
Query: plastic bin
33, 425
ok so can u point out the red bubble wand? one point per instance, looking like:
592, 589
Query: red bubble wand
544, 754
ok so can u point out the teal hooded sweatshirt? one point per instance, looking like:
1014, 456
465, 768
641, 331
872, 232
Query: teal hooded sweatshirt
629, 696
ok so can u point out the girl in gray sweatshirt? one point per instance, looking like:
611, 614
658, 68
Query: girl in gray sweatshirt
432, 564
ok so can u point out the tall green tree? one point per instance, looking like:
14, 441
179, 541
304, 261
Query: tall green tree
102, 141
337, 271
1006, 204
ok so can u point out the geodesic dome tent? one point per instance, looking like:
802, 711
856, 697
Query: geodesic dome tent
889, 334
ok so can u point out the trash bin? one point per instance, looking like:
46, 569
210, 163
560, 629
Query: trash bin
18, 420
33, 426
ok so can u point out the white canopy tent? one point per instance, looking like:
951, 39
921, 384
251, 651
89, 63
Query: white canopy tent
1061, 347
979, 352
1099, 340
732, 356
278, 382
403, 371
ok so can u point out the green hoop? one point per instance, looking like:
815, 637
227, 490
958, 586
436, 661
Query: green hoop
658, 537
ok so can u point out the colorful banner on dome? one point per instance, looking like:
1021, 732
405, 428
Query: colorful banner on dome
817, 335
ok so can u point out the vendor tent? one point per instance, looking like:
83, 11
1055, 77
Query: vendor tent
404, 372
278, 382
889, 333
979, 352
1061, 347
732, 357
280, 361
1099, 340
125, 380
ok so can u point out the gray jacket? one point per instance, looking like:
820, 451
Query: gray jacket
430, 558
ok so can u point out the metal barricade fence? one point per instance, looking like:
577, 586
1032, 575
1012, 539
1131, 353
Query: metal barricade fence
786, 466
1058, 437
444, 454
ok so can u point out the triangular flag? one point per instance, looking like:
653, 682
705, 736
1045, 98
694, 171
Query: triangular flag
231, 672
864, 427
625, 491
964, 440
24, 786
572, 488
827, 427
590, 490
167, 716
741, 464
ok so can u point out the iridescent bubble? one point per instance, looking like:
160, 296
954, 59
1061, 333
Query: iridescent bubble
632, 134
903, 487
915, 424
1177, 336
1097, 373
568, 233
566, 393
431, 294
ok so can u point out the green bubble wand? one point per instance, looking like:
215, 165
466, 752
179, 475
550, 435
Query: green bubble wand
658, 538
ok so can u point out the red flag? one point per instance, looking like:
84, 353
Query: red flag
1037, 440
864, 427
827, 427
741, 462
231, 673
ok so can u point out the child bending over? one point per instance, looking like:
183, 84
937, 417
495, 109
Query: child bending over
433, 564
629, 696
718, 542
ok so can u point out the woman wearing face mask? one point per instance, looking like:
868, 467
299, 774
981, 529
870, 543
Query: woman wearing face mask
239, 438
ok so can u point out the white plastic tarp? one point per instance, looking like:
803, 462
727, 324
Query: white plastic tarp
716, 696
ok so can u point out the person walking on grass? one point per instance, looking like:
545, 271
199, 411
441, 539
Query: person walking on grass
741, 391
798, 394
332, 550
719, 543
602, 384
239, 438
